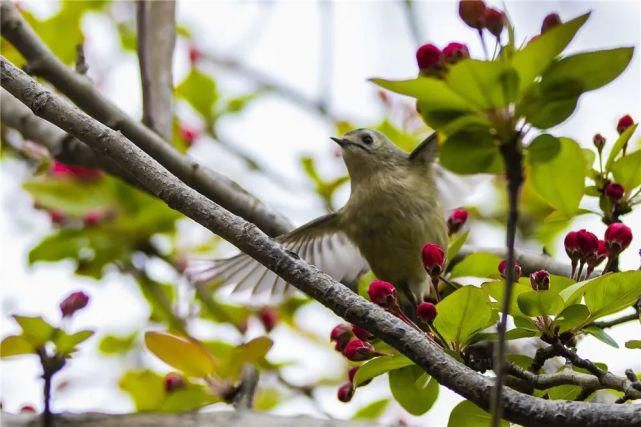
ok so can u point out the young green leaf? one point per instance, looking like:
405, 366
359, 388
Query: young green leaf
479, 264
471, 152
463, 313
415, 398
378, 366
484, 84
467, 414
35, 330
572, 317
371, 411
66, 343
612, 292
200, 91
434, 94
15, 345
145, 388
181, 353
540, 303
601, 335
627, 170
633, 344
618, 145
456, 245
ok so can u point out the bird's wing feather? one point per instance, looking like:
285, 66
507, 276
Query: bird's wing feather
319, 242
426, 151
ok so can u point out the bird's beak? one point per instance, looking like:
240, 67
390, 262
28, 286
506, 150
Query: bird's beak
339, 141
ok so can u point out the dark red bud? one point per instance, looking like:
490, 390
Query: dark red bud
57, 216
494, 21
341, 334
472, 12
457, 220
74, 302
614, 191
624, 123
352, 372
540, 280
194, 54
71, 171
588, 243
572, 245
600, 255
517, 269
24, 409
599, 141
550, 21
362, 333
93, 218
382, 293
454, 52
426, 311
269, 318
617, 238
433, 259
358, 350
173, 381
345, 392
429, 57
188, 134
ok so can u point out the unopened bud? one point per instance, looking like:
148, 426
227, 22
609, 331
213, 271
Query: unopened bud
433, 259
517, 269
617, 238
494, 21
426, 311
614, 191
341, 334
357, 350
73, 303
550, 21
362, 333
345, 392
382, 293
540, 280
454, 52
599, 141
173, 381
472, 12
624, 123
457, 220
268, 317
429, 58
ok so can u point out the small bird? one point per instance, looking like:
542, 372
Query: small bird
393, 210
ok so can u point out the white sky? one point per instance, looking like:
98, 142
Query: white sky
369, 39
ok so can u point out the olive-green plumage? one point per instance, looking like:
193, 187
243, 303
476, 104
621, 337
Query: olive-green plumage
393, 210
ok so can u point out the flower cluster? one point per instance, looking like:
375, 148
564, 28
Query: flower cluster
517, 269
480, 17
585, 249
433, 61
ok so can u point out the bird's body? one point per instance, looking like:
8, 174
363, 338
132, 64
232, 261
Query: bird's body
393, 210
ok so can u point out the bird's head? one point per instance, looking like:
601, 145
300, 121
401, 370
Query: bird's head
366, 151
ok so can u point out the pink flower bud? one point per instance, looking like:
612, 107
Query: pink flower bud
57, 216
588, 243
617, 238
614, 191
472, 12
352, 373
194, 54
188, 134
93, 218
600, 255
341, 334
599, 141
517, 269
74, 302
27, 409
173, 381
429, 57
382, 293
550, 21
345, 392
457, 220
426, 311
357, 350
433, 259
268, 317
494, 21
362, 333
454, 52
540, 280
72, 171
624, 123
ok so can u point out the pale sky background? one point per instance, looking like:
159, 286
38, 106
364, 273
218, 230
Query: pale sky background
368, 39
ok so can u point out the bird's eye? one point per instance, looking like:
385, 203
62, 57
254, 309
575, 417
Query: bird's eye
367, 140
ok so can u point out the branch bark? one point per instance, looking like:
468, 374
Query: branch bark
218, 188
156, 41
517, 407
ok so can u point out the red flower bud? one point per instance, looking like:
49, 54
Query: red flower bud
362, 333
588, 243
624, 123
572, 245
429, 57
433, 259
173, 381
454, 52
357, 350
517, 269
341, 334
614, 191
80, 172
194, 54
617, 237
57, 216
472, 12
599, 141
540, 280
92, 218
550, 21
494, 21
268, 317
188, 134
24, 409
457, 220
345, 392
426, 311
382, 293
74, 302
600, 254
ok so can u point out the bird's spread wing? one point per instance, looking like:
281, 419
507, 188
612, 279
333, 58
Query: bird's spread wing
319, 242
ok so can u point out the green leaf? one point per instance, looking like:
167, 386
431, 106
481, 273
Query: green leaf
618, 145
467, 414
433, 93
267, 399
66, 343
15, 345
470, 152
563, 392
35, 330
587, 71
534, 58
117, 345
544, 109
572, 317
484, 84
496, 290
633, 344
479, 264
145, 388
378, 366
456, 245
74, 197
371, 411
601, 335
540, 303
557, 172
200, 91
463, 313
415, 399
612, 292
627, 170
192, 397
181, 353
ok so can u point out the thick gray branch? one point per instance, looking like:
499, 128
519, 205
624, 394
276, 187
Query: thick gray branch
82, 92
518, 407
156, 40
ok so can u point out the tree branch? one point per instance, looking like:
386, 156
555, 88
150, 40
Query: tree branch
156, 39
218, 188
518, 407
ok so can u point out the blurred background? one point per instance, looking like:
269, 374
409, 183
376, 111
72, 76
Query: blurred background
274, 80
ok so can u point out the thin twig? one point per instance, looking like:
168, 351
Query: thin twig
614, 322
